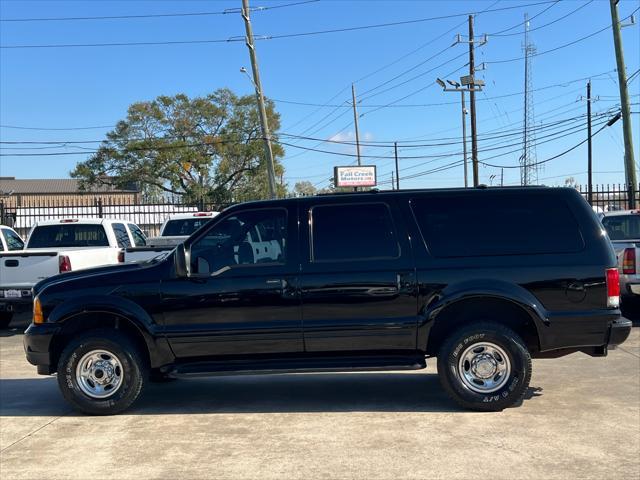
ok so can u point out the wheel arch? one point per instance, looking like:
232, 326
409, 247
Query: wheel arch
523, 318
154, 347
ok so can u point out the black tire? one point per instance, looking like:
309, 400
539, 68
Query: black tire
5, 319
451, 367
133, 372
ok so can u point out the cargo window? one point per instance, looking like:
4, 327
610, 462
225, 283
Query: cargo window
122, 237
496, 224
352, 232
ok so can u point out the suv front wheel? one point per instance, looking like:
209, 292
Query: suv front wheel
101, 372
485, 367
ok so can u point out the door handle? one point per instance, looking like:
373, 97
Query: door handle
276, 281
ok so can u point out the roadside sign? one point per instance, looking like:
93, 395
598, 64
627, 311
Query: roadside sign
362, 176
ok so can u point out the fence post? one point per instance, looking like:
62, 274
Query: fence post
99, 207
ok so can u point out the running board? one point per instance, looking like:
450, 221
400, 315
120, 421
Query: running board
299, 365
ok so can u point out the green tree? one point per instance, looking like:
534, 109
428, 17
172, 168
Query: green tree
304, 189
203, 148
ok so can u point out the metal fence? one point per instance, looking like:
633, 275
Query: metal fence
148, 216
611, 197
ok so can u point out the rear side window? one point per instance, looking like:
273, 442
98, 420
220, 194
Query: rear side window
122, 237
68, 235
184, 226
138, 237
352, 232
14, 242
622, 227
493, 225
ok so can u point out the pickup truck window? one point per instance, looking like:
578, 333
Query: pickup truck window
184, 226
622, 227
122, 237
233, 241
352, 232
14, 242
138, 237
68, 235
496, 224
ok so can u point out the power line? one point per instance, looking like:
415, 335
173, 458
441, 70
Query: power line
499, 33
265, 37
156, 15
559, 47
17, 127
540, 26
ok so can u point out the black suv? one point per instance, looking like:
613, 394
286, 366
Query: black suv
483, 279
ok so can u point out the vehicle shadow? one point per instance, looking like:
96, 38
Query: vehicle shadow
287, 393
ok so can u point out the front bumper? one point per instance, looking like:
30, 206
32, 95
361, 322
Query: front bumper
37, 346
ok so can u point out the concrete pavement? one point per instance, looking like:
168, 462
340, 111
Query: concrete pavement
581, 419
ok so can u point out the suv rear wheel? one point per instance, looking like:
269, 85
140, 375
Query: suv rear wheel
484, 366
101, 372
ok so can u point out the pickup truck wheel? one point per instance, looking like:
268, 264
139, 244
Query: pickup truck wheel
5, 319
484, 367
101, 372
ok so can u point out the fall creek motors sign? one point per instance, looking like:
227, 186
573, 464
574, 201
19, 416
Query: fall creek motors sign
363, 176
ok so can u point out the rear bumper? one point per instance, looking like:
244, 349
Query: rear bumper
37, 346
15, 304
619, 331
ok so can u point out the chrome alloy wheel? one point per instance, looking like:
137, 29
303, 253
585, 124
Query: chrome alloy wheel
99, 374
484, 367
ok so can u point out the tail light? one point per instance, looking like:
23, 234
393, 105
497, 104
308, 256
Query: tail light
120, 257
38, 317
629, 261
613, 287
65, 264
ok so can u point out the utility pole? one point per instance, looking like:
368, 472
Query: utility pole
260, 96
393, 181
502, 177
395, 147
589, 151
355, 121
629, 164
464, 140
472, 100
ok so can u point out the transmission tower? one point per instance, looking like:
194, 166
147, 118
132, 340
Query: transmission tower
528, 159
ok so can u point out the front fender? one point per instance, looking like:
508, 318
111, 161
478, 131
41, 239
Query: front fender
159, 351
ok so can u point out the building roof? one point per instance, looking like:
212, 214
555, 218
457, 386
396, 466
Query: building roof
52, 186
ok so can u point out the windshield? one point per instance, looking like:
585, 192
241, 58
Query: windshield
184, 226
622, 227
68, 235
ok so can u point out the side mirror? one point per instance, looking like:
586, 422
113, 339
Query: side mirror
182, 261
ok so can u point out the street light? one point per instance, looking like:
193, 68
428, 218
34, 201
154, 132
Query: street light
469, 85
271, 175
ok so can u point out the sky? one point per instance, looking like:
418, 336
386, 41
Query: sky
61, 94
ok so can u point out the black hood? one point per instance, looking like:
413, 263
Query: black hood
89, 272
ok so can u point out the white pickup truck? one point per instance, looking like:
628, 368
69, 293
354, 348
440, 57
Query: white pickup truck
175, 230
10, 241
623, 228
58, 246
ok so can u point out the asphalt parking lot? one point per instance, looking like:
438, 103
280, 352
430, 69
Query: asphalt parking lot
581, 419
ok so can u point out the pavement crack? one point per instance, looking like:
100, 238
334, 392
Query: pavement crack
35, 431
630, 353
